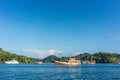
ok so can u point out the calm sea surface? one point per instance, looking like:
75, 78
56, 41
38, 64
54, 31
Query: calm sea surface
54, 72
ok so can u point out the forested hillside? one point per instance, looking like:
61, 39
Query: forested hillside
7, 56
100, 57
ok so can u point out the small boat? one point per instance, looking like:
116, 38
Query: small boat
38, 62
71, 62
12, 62
89, 62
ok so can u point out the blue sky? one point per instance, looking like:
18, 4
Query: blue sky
39, 28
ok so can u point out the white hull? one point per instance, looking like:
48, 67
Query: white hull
12, 62
88, 62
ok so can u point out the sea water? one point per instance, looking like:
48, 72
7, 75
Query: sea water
52, 71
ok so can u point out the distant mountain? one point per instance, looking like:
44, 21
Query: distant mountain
7, 56
84, 56
100, 57
50, 58
36, 60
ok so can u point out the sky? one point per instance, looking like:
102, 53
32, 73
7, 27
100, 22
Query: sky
38, 28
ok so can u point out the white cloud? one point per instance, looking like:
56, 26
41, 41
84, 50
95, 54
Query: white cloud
52, 52
40, 53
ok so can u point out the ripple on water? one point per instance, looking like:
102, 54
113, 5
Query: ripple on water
54, 72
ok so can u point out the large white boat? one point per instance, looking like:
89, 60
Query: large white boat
12, 62
71, 62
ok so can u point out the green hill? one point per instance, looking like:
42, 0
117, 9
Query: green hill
50, 58
7, 56
100, 57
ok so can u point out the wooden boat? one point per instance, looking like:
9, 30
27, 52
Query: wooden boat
71, 62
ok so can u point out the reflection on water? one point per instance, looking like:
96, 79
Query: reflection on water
54, 72
73, 72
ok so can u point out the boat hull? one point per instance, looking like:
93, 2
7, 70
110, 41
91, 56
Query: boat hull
88, 62
12, 62
66, 63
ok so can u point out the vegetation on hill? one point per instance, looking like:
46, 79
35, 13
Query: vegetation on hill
103, 57
7, 56
50, 58
100, 57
